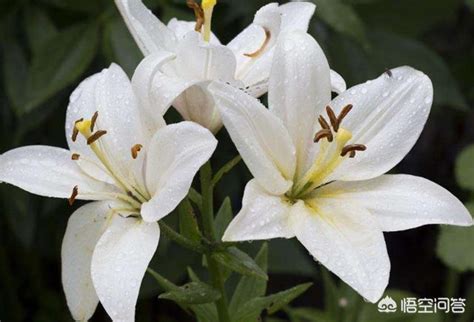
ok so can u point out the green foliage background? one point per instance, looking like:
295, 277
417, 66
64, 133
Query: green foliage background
49, 46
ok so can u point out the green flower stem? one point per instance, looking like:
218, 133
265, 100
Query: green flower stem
171, 234
207, 215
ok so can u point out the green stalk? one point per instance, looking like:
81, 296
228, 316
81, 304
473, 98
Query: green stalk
171, 234
207, 215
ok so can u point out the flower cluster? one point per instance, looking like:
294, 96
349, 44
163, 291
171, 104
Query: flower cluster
319, 164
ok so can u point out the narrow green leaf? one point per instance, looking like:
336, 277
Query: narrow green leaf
309, 315
252, 310
238, 261
454, 244
343, 18
192, 293
164, 283
59, 62
225, 169
465, 168
39, 27
15, 74
330, 293
195, 198
223, 218
281, 299
120, 47
250, 287
188, 225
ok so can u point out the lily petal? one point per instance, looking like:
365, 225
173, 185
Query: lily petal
197, 60
150, 34
49, 172
261, 138
299, 88
175, 155
82, 105
388, 116
338, 84
119, 115
263, 216
346, 239
156, 89
401, 202
142, 83
119, 263
84, 229
181, 28
262, 35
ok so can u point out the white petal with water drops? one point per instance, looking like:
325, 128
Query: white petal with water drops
263, 216
388, 116
346, 239
85, 227
401, 202
261, 138
119, 263
175, 155
49, 172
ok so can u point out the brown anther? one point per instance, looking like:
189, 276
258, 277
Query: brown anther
75, 156
324, 124
135, 149
94, 120
268, 36
352, 154
388, 72
75, 131
72, 198
332, 118
198, 13
343, 114
352, 149
94, 137
323, 134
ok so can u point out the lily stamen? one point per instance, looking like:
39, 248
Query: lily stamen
332, 118
198, 13
74, 194
324, 124
75, 130
94, 120
343, 115
323, 134
95, 136
352, 149
135, 150
75, 157
262, 48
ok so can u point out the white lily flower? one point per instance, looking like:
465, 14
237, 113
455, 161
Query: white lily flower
135, 177
329, 189
181, 62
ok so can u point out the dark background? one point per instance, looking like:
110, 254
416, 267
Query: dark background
49, 46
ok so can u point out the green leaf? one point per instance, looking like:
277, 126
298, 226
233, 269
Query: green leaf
225, 169
120, 47
193, 293
223, 217
391, 50
342, 18
470, 4
289, 257
39, 27
59, 62
15, 73
86, 6
418, 17
465, 168
309, 315
331, 291
252, 310
188, 225
454, 245
238, 261
250, 287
